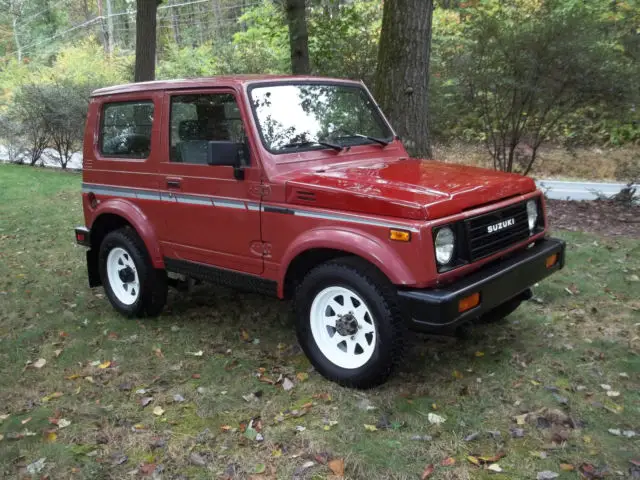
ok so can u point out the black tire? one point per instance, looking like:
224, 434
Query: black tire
153, 282
379, 296
501, 312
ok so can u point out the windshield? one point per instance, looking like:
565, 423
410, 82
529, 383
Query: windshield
311, 116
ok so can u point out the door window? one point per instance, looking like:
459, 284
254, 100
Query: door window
205, 123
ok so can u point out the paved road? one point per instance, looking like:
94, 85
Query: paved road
561, 190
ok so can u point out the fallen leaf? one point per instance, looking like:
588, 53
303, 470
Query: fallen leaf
547, 475
197, 459
41, 362
25, 421
302, 376
158, 411
435, 419
51, 396
473, 460
178, 398
287, 384
147, 468
36, 467
494, 467
479, 354
492, 459
567, 467
605, 386
337, 466
260, 468
615, 431
370, 428
244, 335
158, 353
195, 376
3, 417
199, 353
427, 471
457, 375
50, 436
104, 365
144, 401
57, 352
447, 462
521, 419
471, 437
613, 393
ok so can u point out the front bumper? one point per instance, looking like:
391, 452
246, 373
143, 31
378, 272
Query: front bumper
501, 281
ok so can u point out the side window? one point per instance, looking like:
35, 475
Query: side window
126, 129
203, 123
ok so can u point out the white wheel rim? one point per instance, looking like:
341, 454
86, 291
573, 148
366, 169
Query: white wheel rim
123, 276
343, 327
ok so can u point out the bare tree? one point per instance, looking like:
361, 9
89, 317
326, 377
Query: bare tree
298, 36
402, 76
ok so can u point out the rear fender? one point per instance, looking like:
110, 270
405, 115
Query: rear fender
138, 220
352, 242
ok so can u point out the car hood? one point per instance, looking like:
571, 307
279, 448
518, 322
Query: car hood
406, 188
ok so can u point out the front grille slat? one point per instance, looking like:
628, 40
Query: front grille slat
482, 243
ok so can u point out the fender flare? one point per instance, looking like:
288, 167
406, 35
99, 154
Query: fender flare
351, 241
138, 220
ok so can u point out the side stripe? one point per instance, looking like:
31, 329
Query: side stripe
229, 203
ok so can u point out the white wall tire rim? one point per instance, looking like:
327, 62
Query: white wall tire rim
331, 309
123, 276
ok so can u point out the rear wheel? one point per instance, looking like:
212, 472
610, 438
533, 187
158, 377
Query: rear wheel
348, 322
133, 286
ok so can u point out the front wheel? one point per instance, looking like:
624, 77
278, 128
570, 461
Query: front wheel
348, 322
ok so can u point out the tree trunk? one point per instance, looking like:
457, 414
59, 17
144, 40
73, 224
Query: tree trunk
145, 40
17, 39
298, 36
402, 76
112, 40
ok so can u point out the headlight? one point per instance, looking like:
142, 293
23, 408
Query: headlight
444, 245
532, 214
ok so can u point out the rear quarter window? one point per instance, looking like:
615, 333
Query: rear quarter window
125, 130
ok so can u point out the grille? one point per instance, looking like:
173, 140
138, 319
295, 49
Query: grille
483, 243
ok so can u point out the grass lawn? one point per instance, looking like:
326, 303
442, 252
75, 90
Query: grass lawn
532, 389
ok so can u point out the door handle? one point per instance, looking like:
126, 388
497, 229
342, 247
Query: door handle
173, 183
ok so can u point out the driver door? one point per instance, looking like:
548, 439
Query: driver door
211, 217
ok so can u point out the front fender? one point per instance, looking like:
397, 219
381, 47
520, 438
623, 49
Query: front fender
138, 220
355, 242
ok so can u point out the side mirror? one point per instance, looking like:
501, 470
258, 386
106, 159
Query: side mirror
227, 153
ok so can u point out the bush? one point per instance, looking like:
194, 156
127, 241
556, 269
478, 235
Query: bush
28, 110
529, 65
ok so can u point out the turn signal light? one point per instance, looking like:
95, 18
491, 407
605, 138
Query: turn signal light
467, 303
551, 260
80, 237
400, 235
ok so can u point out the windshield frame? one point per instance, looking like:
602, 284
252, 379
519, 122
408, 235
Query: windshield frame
346, 83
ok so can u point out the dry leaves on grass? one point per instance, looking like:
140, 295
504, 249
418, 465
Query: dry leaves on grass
428, 470
337, 466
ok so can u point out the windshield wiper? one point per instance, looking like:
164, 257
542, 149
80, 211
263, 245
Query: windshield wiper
308, 143
379, 141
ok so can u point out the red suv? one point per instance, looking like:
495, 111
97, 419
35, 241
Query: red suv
298, 187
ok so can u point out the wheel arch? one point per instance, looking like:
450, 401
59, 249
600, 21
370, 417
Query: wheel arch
118, 213
323, 244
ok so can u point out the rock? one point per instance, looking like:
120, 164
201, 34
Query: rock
287, 384
178, 398
517, 432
